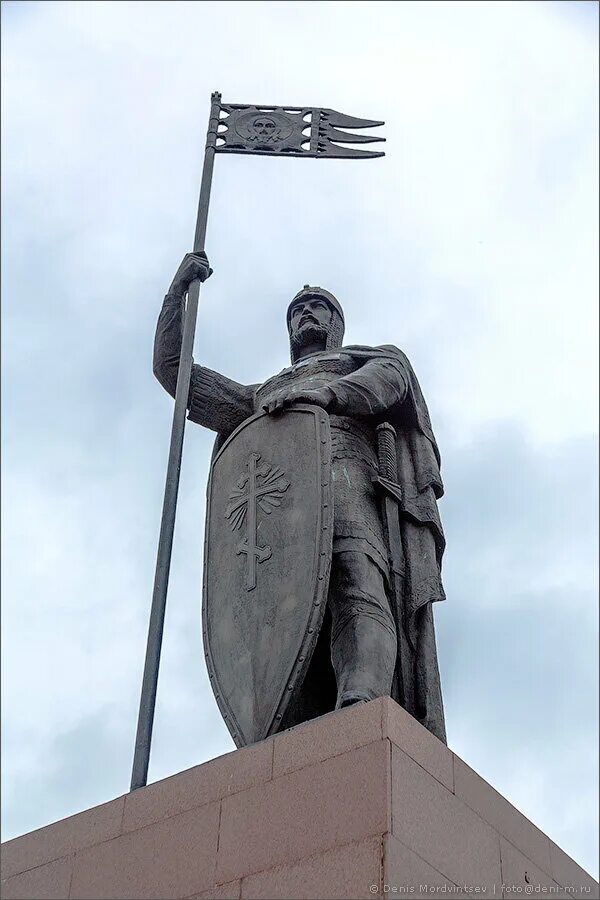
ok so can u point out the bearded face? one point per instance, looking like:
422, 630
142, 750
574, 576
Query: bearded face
309, 322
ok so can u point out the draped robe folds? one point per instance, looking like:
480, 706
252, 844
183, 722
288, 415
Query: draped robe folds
364, 386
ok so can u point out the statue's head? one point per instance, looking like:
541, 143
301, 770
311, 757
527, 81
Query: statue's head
314, 318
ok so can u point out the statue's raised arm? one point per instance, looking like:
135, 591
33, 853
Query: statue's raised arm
214, 401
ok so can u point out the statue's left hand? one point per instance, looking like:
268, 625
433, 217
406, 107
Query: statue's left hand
322, 398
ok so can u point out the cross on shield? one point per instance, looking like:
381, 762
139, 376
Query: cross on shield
259, 487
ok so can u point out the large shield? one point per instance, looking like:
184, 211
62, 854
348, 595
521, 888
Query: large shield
267, 559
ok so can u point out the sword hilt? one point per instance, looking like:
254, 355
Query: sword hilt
386, 451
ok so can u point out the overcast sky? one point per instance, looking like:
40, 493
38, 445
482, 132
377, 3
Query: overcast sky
471, 245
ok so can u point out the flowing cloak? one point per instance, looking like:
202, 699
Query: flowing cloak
421, 529
381, 386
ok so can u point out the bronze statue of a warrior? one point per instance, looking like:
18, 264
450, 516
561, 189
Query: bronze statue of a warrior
324, 542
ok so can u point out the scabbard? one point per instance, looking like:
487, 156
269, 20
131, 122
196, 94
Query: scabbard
390, 493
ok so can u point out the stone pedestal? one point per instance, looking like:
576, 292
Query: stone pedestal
360, 803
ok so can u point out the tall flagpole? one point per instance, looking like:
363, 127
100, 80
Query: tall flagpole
141, 758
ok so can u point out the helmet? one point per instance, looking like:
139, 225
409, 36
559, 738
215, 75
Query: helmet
335, 333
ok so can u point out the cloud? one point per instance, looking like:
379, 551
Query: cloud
517, 636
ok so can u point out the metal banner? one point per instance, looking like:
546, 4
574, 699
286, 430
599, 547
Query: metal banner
292, 131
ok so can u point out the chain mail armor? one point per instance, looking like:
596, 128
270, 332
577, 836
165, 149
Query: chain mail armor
357, 523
